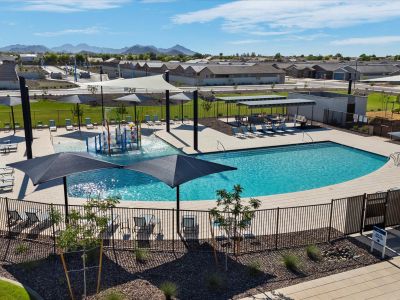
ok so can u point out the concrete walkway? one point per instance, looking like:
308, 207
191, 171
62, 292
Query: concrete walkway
378, 281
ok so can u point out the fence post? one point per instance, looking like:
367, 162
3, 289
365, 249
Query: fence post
277, 228
386, 206
112, 234
363, 213
330, 222
8, 218
53, 229
173, 230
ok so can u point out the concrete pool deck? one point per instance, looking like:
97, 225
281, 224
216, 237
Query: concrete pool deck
181, 137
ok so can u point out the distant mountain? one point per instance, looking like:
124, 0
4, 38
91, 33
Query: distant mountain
85, 48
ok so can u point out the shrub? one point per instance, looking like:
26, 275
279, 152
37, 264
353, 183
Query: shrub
21, 249
169, 289
313, 253
215, 281
141, 255
291, 262
254, 268
113, 295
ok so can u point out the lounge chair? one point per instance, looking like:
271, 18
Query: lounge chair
39, 125
7, 185
190, 227
254, 130
52, 125
37, 217
246, 132
88, 123
286, 129
128, 119
143, 228
17, 126
156, 120
186, 119
8, 147
236, 133
14, 217
266, 130
68, 125
277, 130
148, 120
6, 171
300, 119
7, 126
7, 177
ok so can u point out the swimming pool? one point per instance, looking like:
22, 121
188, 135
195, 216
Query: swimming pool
266, 171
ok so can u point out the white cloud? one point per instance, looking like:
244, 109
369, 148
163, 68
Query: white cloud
256, 15
245, 42
373, 40
85, 31
270, 33
66, 6
156, 1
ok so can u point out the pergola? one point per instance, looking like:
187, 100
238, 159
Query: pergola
237, 99
280, 103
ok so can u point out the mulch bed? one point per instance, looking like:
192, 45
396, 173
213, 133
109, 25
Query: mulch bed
34, 266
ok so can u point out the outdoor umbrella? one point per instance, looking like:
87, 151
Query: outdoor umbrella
177, 169
75, 99
135, 98
60, 165
12, 101
181, 97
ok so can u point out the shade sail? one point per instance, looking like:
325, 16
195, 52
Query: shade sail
148, 84
12, 100
251, 98
58, 165
175, 170
275, 103
136, 98
181, 97
76, 99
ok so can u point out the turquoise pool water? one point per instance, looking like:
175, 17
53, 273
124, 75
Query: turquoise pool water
261, 172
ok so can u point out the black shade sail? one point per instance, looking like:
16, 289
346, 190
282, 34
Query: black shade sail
177, 169
12, 101
58, 165
135, 98
76, 99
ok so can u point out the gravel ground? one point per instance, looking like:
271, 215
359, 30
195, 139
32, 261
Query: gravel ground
195, 273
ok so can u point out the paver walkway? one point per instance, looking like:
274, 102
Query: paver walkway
378, 281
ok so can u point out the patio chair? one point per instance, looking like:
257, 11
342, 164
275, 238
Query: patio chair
6, 178
128, 119
39, 125
156, 120
52, 125
277, 130
286, 129
7, 185
186, 119
68, 125
14, 217
300, 119
254, 131
148, 120
37, 217
17, 126
189, 225
88, 123
265, 130
236, 133
246, 132
142, 225
6, 171
7, 126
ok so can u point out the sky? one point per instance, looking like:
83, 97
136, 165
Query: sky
350, 27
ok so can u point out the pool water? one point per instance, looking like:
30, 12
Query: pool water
266, 171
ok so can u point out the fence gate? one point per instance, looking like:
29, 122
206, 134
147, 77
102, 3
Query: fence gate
375, 210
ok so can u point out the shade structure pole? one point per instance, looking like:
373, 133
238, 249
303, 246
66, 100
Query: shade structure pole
182, 111
167, 117
26, 110
79, 117
312, 113
195, 120
66, 198
135, 113
177, 209
12, 116
227, 112
102, 96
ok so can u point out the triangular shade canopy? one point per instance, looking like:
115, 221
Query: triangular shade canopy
148, 84
181, 97
58, 165
12, 100
136, 98
75, 99
175, 170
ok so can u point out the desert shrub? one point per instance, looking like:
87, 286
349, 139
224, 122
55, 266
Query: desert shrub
254, 268
169, 289
21, 249
215, 281
113, 295
141, 255
313, 253
292, 262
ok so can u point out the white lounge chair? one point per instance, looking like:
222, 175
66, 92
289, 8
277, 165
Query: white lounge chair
68, 125
39, 125
7, 126
52, 125
88, 123
266, 130
6, 171
148, 120
254, 130
286, 129
15, 216
237, 134
156, 120
277, 130
246, 132
6, 185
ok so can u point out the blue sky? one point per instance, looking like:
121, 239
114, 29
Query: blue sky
350, 27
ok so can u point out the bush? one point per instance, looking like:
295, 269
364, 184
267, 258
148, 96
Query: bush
21, 249
292, 262
113, 295
215, 281
313, 253
169, 289
254, 268
141, 255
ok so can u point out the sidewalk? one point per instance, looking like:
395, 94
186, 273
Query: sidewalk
378, 281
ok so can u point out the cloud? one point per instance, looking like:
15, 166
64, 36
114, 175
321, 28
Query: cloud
67, 6
156, 1
84, 31
256, 15
373, 40
245, 42
270, 33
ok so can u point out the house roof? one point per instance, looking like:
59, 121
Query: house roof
251, 98
274, 103
7, 72
256, 69
381, 68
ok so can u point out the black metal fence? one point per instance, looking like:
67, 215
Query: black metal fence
156, 229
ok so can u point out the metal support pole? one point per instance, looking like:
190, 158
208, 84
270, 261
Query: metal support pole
167, 112
277, 228
13, 119
195, 120
66, 199
79, 117
312, 113
227, 112
26, 110
182, 111
102, 96
330, 222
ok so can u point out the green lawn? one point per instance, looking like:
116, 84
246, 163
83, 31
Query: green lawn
9, 291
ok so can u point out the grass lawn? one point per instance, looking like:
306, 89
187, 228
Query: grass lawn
9, 291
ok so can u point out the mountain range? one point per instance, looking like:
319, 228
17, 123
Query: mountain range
69, 48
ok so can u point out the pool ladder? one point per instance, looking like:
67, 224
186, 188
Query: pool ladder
305, 134
396, 158
220, 144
